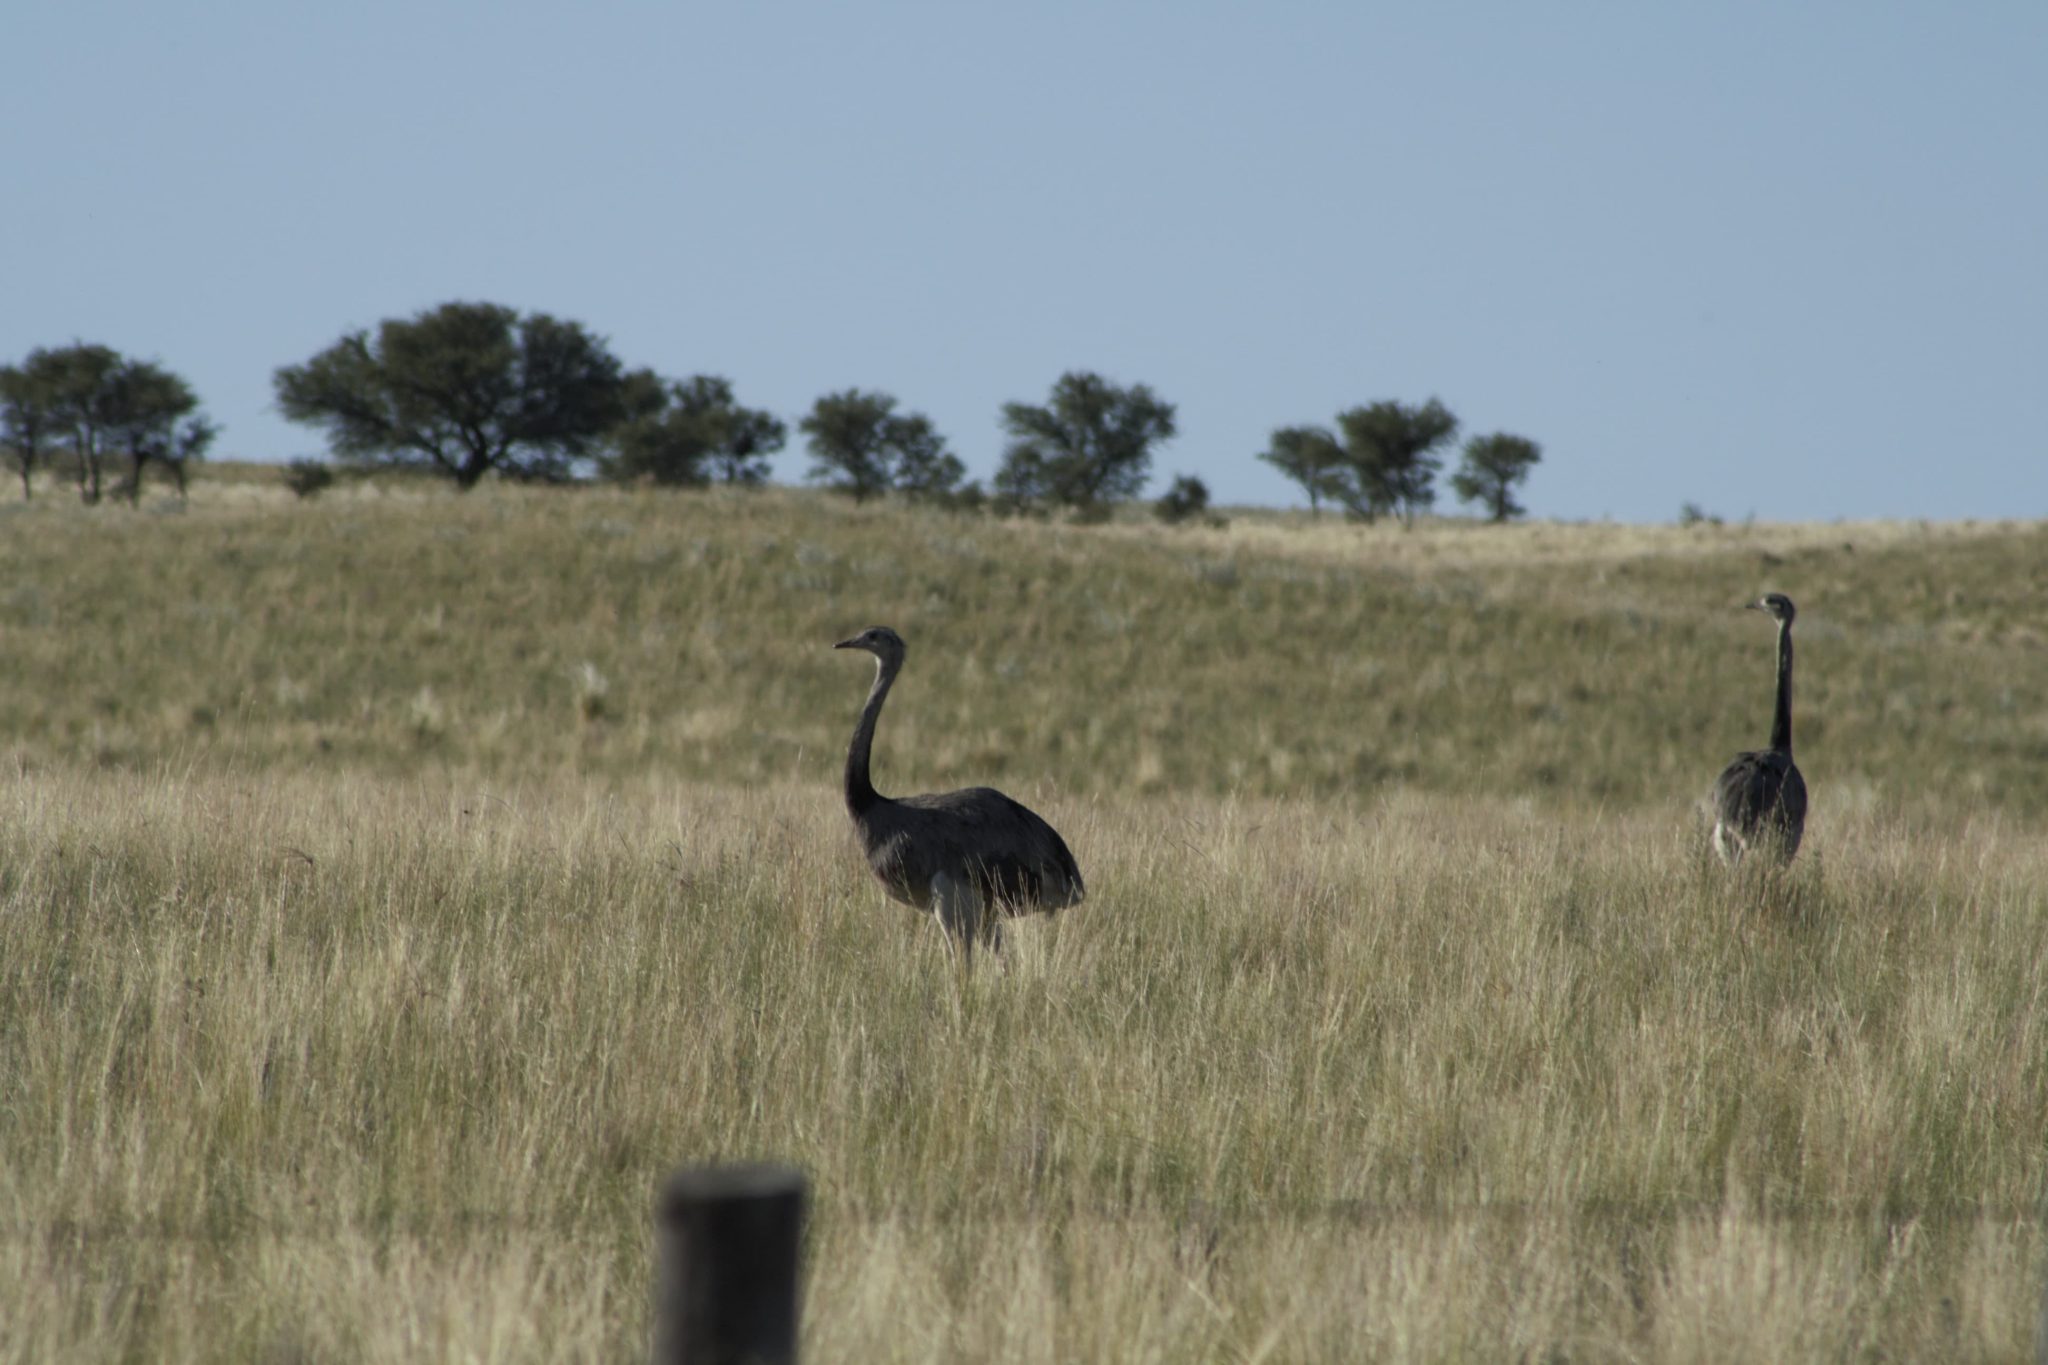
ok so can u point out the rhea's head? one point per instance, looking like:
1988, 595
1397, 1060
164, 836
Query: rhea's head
1778, 605
880, 641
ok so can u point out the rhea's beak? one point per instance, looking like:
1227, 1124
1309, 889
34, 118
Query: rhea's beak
1752, 606
846, 644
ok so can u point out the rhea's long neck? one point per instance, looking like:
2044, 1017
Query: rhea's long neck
860, 791
1781, 721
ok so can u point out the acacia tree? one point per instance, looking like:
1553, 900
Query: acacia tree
88, 400
463, 389
1089, 444
751, 436
1492, 467
691, 432
183, 447
861, 446
77, 381
926, 471
1310, 456
151, 417
1389, 464
28, 421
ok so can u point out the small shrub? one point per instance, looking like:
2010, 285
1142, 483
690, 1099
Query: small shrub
1187, 500
1692, 514
306, 478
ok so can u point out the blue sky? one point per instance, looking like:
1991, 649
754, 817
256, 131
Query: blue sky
1788, 260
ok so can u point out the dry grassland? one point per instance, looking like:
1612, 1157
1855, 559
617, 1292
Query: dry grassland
395, 886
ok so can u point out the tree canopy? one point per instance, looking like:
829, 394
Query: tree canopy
1311, 457
1089, 443
1389, 450
28, 422
86, 401
78, 381
1186, 499
861, 446
690, 433
1493, 466
151, 418
464, 389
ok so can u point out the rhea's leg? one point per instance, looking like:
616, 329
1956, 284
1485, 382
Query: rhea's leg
957, 903
1728, 845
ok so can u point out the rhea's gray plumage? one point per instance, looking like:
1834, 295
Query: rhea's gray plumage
1760, 799
959, 854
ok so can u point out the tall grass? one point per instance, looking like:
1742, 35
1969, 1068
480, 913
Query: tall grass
356, 1069
378, 1050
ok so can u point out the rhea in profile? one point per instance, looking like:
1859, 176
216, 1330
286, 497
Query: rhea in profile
970, 856
1760, 800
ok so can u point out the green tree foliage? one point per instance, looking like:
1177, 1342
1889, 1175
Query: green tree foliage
188, 445
751, 436
29, 426
690, 433
1692, 514
308, 478
463, 389
1311, 457
1492, 467
1187, 500
862, 447
78, 381
1089, 444
1389, 459
89, 402
151, 418
925, 470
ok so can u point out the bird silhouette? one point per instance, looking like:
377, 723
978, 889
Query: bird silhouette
971, 857
1760, 798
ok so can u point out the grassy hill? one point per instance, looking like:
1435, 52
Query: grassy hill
523, 633
394, 886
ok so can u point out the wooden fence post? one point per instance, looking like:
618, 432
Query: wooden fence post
725, 1289
2041, 1309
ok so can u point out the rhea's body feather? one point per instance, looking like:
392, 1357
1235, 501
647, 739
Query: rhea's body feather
1760, 797
955, 853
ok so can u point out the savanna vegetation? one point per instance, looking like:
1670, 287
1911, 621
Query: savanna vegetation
85, 408
395, 884
466, 391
